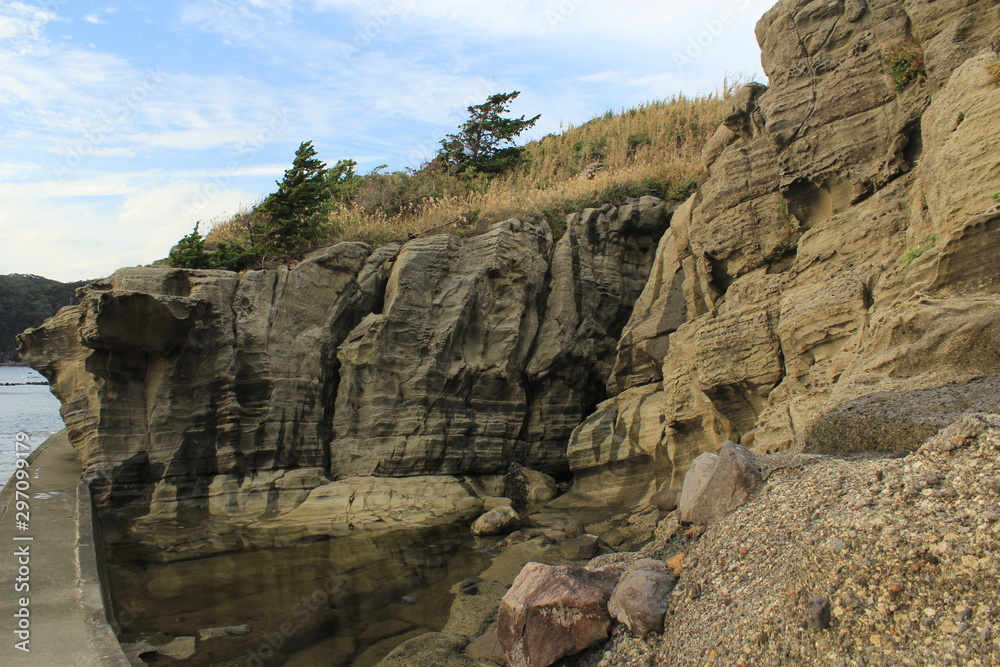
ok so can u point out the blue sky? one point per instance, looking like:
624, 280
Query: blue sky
123, 123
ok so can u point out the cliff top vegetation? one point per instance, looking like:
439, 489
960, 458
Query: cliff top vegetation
653, 149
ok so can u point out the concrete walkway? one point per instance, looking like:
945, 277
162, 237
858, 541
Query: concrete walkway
65, 604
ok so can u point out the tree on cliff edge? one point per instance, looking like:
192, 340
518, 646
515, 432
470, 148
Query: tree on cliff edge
293, 209
485, 142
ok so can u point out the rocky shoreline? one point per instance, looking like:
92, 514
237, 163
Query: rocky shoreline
857, 561
826, 300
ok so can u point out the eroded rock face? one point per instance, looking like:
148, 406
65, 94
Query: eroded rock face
828, 287
238, 396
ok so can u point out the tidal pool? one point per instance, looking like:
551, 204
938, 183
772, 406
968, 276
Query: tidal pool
343, 601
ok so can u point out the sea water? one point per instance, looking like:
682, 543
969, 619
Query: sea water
24, 408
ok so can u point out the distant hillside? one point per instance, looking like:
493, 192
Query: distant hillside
26, 301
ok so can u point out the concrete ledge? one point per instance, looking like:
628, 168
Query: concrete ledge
67, 606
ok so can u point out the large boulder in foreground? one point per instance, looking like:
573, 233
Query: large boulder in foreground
734, 479
551, 612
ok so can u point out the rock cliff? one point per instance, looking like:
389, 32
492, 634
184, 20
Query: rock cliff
208, 394
829, 287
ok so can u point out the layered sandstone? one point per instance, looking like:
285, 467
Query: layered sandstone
829, 287
280, 395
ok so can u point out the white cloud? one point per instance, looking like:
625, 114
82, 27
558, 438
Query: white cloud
94, 18
380, 81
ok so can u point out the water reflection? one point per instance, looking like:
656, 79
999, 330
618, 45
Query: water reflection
342, 601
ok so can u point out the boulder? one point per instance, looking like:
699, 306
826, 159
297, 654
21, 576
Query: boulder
551, 612
733, 480
527, 488
498, 521
665, 500
640, 599
695, 480
486, 647
584, 547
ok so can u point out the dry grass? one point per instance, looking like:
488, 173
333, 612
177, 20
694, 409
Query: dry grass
993, 70
653, 149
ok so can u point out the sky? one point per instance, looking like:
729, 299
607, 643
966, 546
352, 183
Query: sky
123, 124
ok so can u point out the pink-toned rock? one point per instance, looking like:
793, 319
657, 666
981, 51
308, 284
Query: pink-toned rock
551, 612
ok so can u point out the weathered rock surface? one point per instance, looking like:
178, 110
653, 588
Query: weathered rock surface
828, 287
551, 612
234, 397
733, 480
665, 500
526, 487
498, 521
640, 599
583, 547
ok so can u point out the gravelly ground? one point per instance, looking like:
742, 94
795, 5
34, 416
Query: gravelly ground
904, 553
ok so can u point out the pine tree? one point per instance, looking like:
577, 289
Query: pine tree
485, 142
190, 253
292, 210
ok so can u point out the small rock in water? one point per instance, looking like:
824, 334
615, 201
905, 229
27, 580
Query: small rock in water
469, 586
584, 547
409, 599
497, 521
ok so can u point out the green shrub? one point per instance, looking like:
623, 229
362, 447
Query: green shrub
636, 141
684, 190
926, 244
190, 253
995, 197
905, 62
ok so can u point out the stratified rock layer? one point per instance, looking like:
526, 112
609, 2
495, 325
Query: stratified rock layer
830, 285
239, 396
